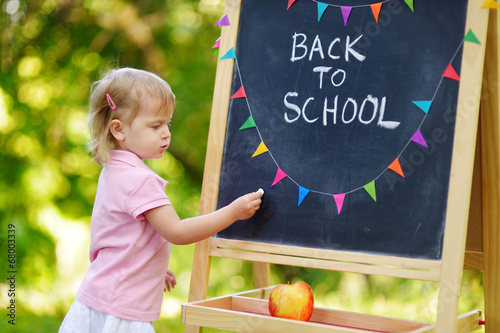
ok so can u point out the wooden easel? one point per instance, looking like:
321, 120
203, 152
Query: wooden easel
247, 312
483, 250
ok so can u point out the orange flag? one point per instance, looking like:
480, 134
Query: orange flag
396, 167
376, 10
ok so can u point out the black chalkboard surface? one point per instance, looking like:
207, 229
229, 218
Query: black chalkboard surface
340, 102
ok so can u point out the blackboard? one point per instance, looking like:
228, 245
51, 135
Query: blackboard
385, 81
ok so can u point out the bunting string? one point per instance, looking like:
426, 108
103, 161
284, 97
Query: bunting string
424, 106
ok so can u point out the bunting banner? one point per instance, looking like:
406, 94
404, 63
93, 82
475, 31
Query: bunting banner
217, 43
396, 167
240, 93
339, 201
490, 4
376, 10
280, 175
229, 54
451, 73
471, 37
249, 123
424, 105
346, 10
223, 21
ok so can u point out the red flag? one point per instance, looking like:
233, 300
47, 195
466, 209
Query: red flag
240, 93
451, 73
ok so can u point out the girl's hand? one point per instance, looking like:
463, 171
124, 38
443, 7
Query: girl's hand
245, 206
170, 280
181, 232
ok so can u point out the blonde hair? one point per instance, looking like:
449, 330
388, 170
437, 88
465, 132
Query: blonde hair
130, 89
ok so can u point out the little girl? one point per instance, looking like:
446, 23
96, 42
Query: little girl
133, 224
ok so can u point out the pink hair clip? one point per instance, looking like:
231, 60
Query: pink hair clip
111, 104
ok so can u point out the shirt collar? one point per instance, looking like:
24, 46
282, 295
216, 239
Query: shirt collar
127, 157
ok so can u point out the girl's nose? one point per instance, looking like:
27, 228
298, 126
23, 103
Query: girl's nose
166, 133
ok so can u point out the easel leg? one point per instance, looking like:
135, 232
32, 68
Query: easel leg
199, 278
490, 138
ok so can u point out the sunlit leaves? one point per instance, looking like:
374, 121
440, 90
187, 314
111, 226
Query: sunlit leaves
29, 67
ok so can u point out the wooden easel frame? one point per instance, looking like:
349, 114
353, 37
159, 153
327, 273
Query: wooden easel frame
448, 271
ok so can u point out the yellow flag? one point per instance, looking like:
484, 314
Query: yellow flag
490, 4
261, 149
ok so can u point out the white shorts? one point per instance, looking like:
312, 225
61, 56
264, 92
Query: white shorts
83, 319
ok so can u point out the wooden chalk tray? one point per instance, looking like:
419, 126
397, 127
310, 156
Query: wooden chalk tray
248, 312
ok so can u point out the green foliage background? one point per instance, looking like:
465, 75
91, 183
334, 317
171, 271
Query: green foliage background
51, 51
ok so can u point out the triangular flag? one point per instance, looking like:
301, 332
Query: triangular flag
451, 73
262, 148
346, 11
490, 4
339, 200
471, 37
376, 10
249, 123
217, 43
396, 167
223, 21
280, 174
410, 4
423, 105
229, 54
419, 138
370, 188
321, 9
216, 53
240, 93
290, 3
302, 194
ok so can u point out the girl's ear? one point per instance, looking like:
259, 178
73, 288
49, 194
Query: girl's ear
117, 129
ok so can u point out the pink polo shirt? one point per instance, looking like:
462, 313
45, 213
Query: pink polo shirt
129, 259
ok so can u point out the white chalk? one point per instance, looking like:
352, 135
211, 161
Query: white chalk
260, 191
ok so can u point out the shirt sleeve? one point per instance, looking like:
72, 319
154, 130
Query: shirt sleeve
148, 192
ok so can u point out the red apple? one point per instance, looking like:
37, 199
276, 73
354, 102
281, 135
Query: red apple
292, 301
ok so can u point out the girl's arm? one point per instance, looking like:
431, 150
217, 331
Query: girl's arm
181, 232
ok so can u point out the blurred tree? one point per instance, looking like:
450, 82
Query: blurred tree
51, 51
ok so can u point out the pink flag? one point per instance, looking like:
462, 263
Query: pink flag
217, 43
339, 200
280, 174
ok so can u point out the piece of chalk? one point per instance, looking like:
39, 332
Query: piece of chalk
260, 191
